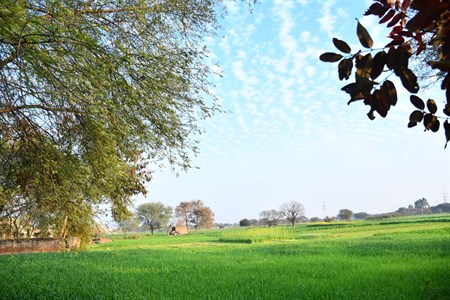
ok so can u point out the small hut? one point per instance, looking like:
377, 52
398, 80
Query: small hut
179, 229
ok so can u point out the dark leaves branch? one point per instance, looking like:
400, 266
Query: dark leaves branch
416, 25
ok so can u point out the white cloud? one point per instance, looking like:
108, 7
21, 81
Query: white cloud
283, 9
238, 70
241, 122
305, 36
328, 19
241, 54
249, 93
310, 71
342, 13
288, 98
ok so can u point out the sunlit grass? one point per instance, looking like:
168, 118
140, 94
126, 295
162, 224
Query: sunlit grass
356, 260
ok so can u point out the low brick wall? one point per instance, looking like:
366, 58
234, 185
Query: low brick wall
38, 245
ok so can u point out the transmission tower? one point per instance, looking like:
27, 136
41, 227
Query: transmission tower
324, 209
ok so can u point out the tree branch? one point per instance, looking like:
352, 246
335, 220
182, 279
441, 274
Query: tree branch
7, 60
105, 11
85, 10
35, 106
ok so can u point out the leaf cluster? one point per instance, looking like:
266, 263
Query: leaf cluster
429, 19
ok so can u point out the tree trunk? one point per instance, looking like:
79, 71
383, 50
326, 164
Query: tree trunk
62, 234
16, 232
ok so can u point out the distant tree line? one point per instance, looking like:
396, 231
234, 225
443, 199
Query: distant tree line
149, 216
291, 213
155, 215
419, 207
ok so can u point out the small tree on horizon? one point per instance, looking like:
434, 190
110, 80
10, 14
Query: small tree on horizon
329, 219
254, 222
195, 213
345, 214
360, 216
421, 204
244, 223
154, 215
292, 211
269, 217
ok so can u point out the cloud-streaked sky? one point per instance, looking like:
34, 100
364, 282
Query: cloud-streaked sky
289, 134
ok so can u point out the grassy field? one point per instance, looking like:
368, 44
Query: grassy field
396, 259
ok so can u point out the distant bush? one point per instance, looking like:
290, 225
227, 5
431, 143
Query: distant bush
361, 216
384, 216
133, 237
244, 222
329, 219
440, 208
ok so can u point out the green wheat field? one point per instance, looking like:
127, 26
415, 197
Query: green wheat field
406, 258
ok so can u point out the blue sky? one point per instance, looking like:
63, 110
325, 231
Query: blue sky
290, 135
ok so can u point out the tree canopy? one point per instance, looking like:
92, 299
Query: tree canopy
93, 92
154, 215
194, 213
421, 203
292, 211
416, 25
345, 214
244, 223
269, 217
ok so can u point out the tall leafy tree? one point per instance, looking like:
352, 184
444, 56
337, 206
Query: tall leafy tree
292, 211
416, 26
202, 216
154, 215
422, 205
244, 223
184, 212
194, 213
345, 214
93, 91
